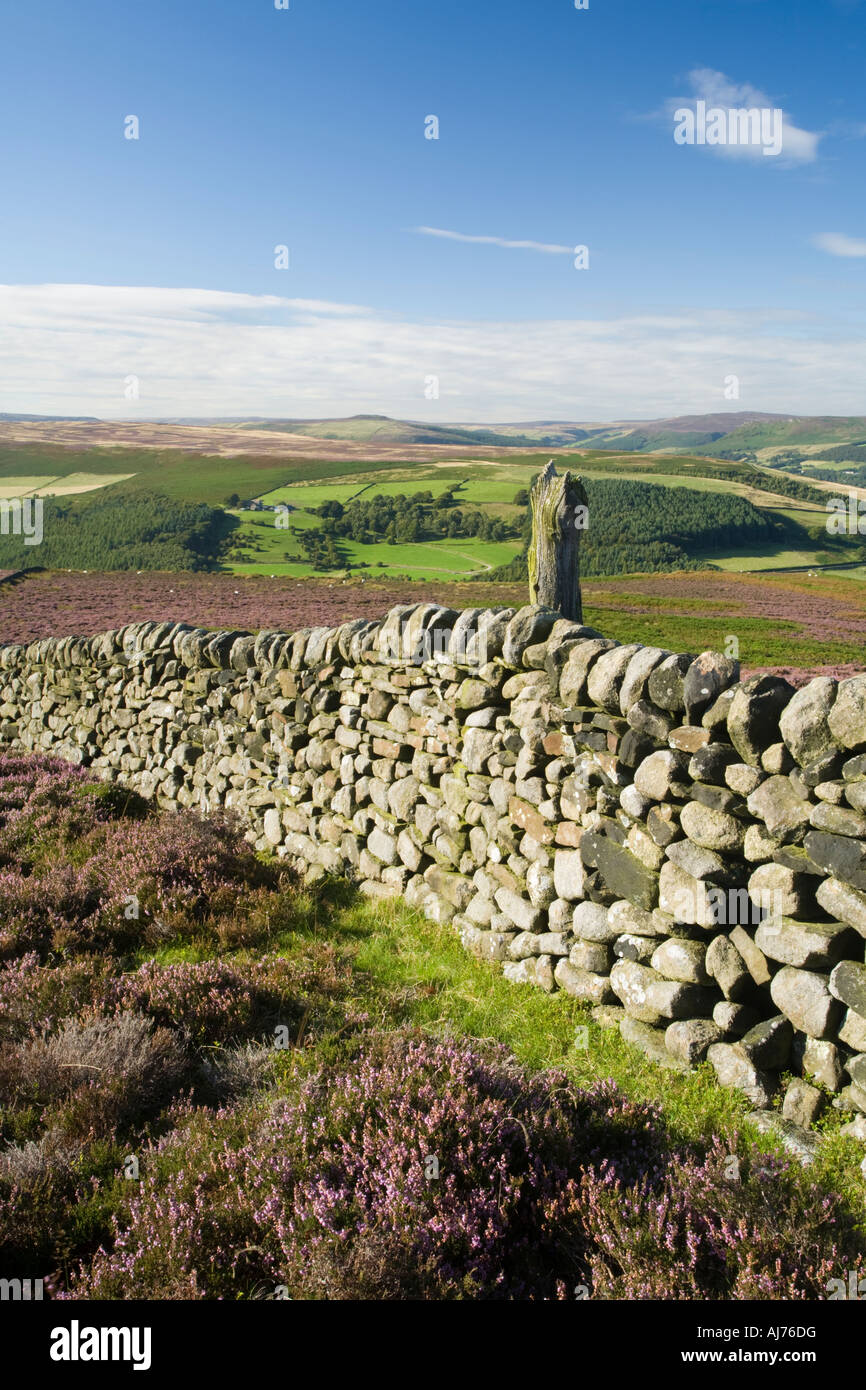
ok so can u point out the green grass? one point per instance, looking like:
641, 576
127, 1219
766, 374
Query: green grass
766, 557
762, 642
478, 484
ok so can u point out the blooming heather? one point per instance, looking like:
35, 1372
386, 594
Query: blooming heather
431, 1170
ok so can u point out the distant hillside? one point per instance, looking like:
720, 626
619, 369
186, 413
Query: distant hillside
61, 419
805, 431
381, 428
727, 435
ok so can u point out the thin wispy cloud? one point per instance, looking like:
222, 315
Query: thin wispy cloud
838, 244
548, 248
69, 349
798, 146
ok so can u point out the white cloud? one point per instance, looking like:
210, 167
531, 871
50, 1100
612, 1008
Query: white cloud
550, 248
68, 349
838, 244
798, 146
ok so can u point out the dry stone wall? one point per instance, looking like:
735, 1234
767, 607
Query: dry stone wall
682, 850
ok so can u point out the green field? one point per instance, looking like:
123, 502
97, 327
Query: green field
768, 558
57, 484
267, 548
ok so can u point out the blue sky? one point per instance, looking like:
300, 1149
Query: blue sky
306, 128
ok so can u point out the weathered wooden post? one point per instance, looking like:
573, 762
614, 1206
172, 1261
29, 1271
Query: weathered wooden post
560, 512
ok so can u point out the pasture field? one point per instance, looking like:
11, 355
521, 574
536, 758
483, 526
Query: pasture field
58, 485
266, 548
767, 557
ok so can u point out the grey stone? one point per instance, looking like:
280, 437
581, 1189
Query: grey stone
809, 945
743, 779
783, 812
625, 875
403, 797
569, 874
753, 718
529, 625
479, 745
572, 682
273, 826
689, 1039
781, 891
651, 1042
847, 718
768, 1044
524, 916
803, 1104
710, 763
851, 1098
666, 683
726, 966
382, 846
799, 1143
777, 759
637, 673
734, 1019
525, 943
698, 862
804, 722
607, 674
709, 674
685, 898
839, 856
852, 1031
582, 984
486, 945
640, 948
838, 820
753, 957
650, 998
522, 972
627, 919
648, 724
593, 956
658, 774
681, 960
805, 998
591, 923
856, 1129
818, 1059
759, 845
715, 830
633, 802
559, 914
631, 982
848, 985
856, 1068
734, 1068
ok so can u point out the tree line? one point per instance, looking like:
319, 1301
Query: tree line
121, 532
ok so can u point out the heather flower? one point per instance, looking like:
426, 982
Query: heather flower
536, 1187
214, 1001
